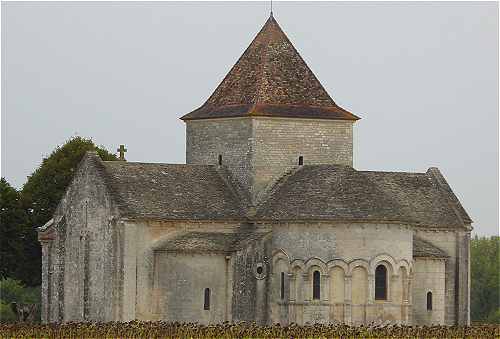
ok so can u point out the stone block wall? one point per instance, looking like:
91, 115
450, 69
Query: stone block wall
456, 245
168, 284
180, 283
429, 276
279, 142
230, 138
79, 264
251, 282
259, 150
346, 255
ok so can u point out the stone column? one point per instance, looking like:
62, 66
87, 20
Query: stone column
229, 288
61, 254
371, 288
348, 299
292, 292
404, 299
409, 307
306, 287
46, 280
129, 272
260, 302
392, 288
325, 287
463, 268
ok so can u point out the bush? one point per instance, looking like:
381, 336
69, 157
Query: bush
6, 313
494, 317
14, 291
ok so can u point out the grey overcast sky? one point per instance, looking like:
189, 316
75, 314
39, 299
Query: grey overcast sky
423, 77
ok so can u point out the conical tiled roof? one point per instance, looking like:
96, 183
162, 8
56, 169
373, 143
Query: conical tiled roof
270, 79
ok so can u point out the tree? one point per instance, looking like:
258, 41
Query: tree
485, 279
14, 291
13, 231
42, 192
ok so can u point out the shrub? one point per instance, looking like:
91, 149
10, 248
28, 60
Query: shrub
14, 291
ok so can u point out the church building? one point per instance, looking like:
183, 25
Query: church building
267, 221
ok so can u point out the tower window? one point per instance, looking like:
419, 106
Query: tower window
206, 301
282, 286
429, 301
301, 160
220, 160
316, 285
381, 283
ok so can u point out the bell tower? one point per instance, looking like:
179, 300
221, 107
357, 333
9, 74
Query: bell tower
269, 115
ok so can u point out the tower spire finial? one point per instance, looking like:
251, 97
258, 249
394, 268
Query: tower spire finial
271, 8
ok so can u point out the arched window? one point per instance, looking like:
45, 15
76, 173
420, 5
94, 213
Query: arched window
429, 301
206, 301
381, 283
316, 285
301, 160
220, 159
282, 286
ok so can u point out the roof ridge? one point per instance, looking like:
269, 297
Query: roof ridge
263, 63
152, 163
233, 67
274, 186
309, 68
237, 190
397, 172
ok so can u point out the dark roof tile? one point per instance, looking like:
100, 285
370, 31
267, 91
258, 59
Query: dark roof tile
270, 79
165, 191
312, 192
327, 192
425, 249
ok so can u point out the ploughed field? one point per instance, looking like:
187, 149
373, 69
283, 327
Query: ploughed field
137, 329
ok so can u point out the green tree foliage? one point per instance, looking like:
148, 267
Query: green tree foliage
14, 291
485, 279
40, 196
13, 231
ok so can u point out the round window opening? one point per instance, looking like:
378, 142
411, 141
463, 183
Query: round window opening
260, 271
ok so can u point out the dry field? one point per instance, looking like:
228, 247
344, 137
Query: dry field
136, 329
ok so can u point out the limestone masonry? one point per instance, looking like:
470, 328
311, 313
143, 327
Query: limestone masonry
268, 221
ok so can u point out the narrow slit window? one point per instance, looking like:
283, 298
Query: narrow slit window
220, 160
316, 285
429, 301
301, 160
381, 283
282, 286
206, 301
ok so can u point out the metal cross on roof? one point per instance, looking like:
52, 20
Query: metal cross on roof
122, 151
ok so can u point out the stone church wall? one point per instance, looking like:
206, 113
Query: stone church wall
456, 245
278, 143
230, 138
260, 150
429, 276
80, 261
346, 256
165, 283
252, 269
180, 282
